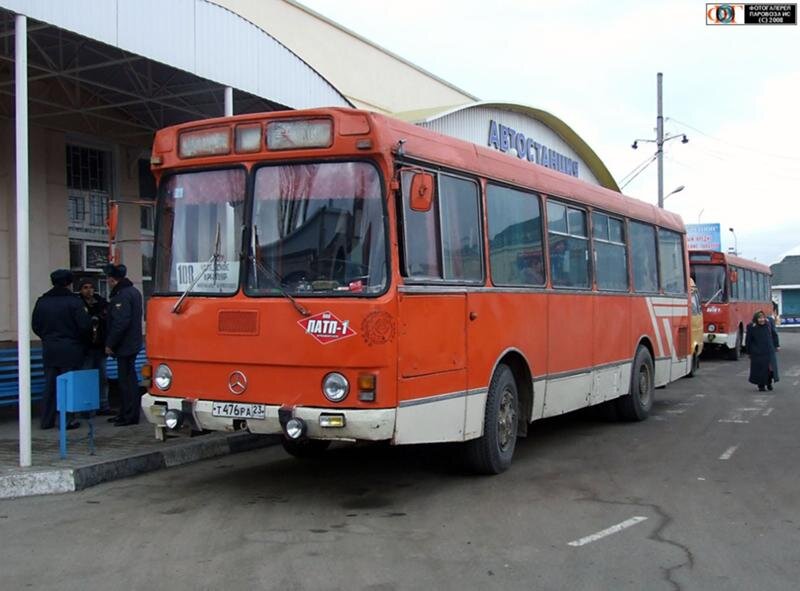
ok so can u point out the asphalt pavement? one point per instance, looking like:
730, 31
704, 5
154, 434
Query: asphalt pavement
703, 495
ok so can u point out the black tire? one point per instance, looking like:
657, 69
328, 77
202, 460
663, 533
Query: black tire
493, 451
736, 352
695, 365
636, 405
305, 448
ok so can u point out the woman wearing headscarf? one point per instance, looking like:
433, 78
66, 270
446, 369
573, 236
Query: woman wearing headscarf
762, 343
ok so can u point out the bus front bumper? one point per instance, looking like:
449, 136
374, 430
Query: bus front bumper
368, 425
716, 338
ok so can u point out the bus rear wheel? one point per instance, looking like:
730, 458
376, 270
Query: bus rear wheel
305, 448
492, 452
636, 405
733, 354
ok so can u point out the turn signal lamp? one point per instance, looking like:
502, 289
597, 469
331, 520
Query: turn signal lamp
299, 133
205, 142
366, 387
147, 375
248, 138
334, 421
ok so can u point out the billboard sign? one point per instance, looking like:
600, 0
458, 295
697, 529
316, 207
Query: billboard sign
703, 237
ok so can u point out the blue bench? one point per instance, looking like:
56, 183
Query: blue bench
9, 376
9, 373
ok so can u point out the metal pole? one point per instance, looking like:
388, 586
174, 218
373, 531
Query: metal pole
660, 141
228, 101
23, 258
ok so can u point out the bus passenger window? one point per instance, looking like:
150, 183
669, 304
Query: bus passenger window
461, 242
515, 237
643, 257
670, 259
452, 252
421, 243
569, 250
611, 259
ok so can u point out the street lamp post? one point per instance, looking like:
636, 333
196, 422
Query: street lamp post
735, 242
677, 189
660, 139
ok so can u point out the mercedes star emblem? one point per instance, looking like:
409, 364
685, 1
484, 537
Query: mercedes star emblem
237, 383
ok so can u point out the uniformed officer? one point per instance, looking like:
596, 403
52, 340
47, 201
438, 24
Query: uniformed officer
124, 340
62, 322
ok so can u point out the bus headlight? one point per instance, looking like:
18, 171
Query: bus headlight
173, 419
335, 387
163, 377
712, 327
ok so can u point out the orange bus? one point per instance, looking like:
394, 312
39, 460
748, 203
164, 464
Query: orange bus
732, 290
334, 274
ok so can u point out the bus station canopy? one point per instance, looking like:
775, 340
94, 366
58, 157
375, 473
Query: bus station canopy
125, 69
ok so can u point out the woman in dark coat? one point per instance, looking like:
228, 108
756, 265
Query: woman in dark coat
761, 342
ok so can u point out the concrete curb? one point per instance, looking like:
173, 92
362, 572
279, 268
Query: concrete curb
26, 483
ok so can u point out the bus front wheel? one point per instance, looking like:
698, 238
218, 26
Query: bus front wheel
733, 354
636, 405
492, 452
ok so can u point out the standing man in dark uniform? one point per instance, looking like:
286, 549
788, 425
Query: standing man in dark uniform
62, 322
97, 306
124, 339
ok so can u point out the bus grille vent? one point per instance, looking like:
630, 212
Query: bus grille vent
242, 322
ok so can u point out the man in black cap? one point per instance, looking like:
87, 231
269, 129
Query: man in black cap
97, 306
124, 339
63, 323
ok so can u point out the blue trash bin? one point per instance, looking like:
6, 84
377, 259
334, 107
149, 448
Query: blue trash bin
76, 391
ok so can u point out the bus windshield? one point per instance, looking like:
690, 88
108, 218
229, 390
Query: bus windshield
317, 229
200, 215
710, 280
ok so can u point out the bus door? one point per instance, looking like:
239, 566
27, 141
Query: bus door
570, 382
431, 367
441, 253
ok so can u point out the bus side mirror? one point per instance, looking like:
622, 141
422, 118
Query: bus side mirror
421, 198
112, 221
734, 276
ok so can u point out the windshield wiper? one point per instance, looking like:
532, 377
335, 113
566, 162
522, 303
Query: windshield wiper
176, 309
716, 293
276, 277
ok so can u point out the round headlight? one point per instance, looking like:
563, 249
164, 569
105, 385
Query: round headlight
173, 419
295, 428
712, 327
335, 387
163, 377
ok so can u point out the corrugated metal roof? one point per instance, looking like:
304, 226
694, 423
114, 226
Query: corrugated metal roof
196, 36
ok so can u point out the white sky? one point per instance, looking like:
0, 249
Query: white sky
734, 90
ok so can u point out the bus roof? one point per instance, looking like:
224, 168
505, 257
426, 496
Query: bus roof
717, 257
429, 146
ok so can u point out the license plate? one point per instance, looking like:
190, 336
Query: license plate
238, 410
